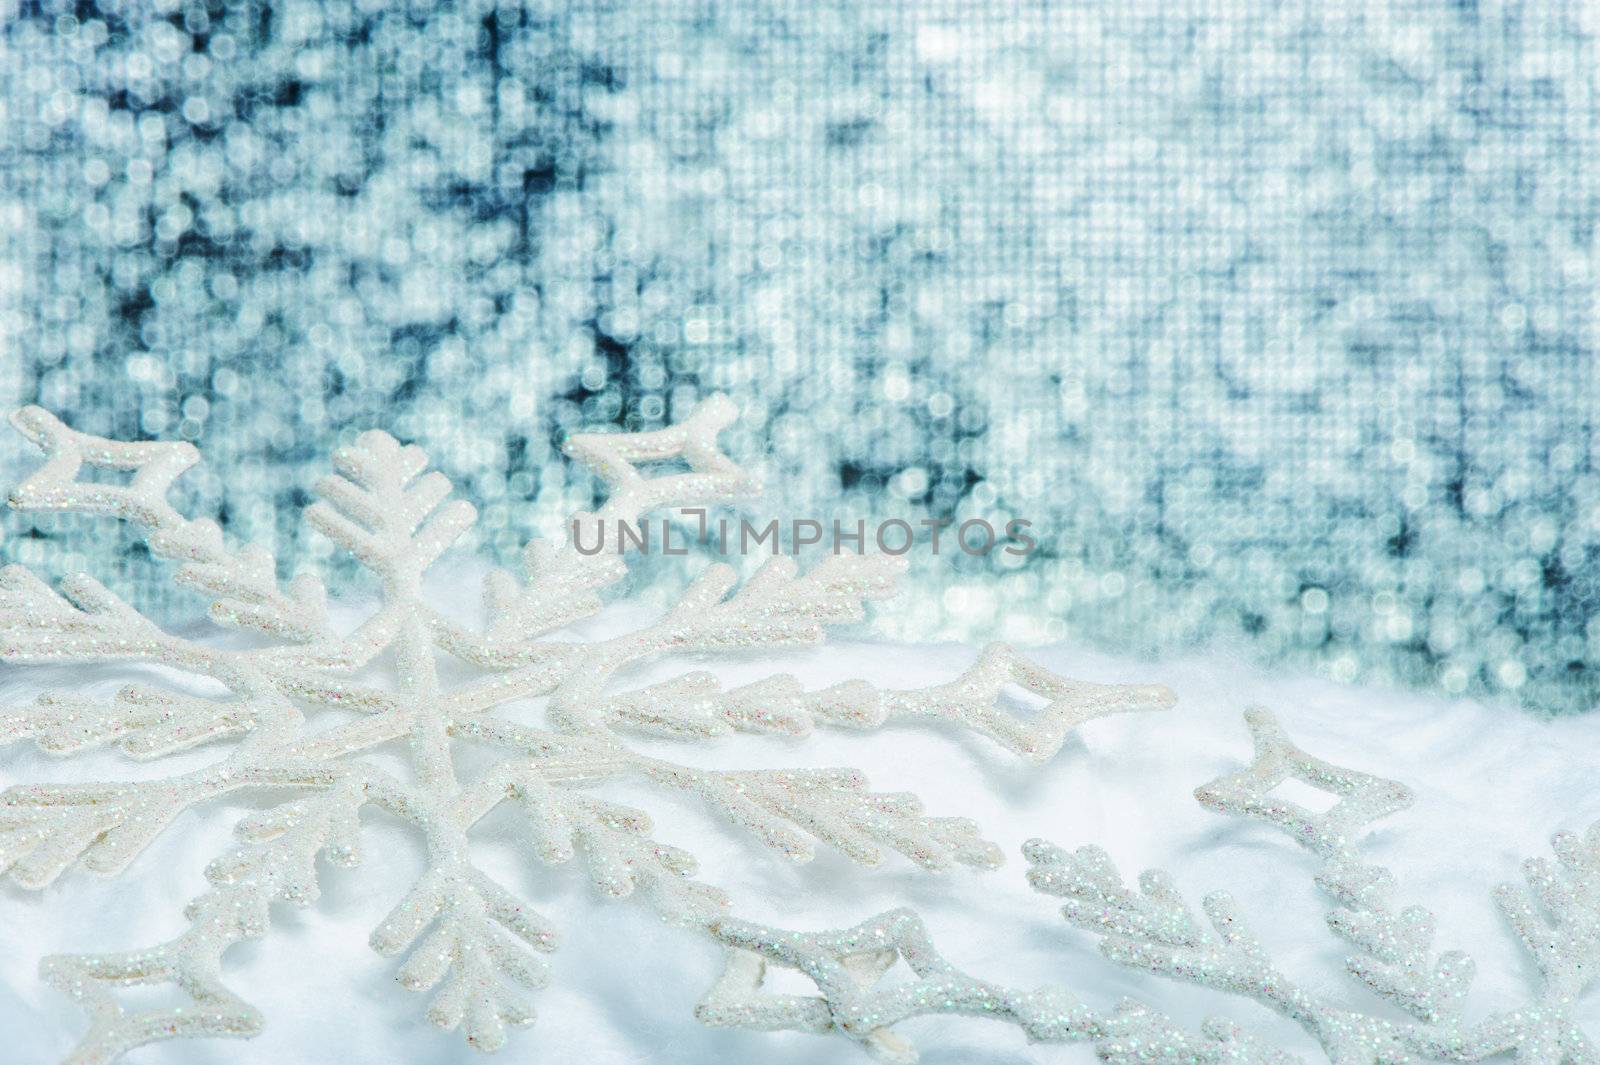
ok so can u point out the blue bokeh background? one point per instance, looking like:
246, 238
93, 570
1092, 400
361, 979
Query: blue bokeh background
1277, 318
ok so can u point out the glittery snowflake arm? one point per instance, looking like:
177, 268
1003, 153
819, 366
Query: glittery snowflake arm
847, 967
975, 700
779, 606
380, 505
1134, 1034
776, 606
244, 582
247, 883
712, 475
144, 722
785, 806
562, 822
561, 580
84, 622
45, 828
476, 951
1557, 917
1153, 929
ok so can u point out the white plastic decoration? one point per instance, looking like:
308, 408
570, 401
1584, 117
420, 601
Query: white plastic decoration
1556, 915
461, 936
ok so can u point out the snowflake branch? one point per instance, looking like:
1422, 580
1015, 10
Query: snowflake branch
143, 722
975, 699
623, 857
389, 514
238, 907
774, 607
86, 622
45, 828
693, 706
847, 967
614, 838
474, 943
1136, 1035
1153, 929
831, 805
562, 581
244, 583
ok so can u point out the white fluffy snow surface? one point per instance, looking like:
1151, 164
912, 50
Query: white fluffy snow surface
1492, 783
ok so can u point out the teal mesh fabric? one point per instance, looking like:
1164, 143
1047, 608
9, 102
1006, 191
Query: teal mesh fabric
1277, 319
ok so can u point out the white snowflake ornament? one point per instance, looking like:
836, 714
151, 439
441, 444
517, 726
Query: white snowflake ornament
464, 939
1556, 916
